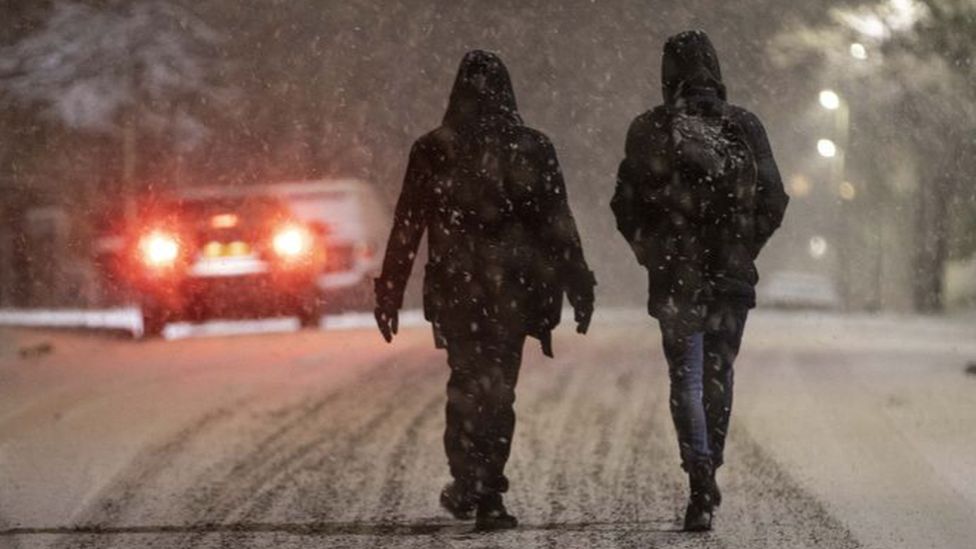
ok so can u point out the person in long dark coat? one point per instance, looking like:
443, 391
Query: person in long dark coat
698, 196
503, 249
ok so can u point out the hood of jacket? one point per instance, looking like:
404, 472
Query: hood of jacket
482, 92
690, 61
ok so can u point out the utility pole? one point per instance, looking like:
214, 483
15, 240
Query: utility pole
835, 150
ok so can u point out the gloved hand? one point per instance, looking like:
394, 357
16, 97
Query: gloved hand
388, 320
582, 315
581, 298
387, 307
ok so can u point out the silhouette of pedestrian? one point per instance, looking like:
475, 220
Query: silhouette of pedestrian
503, 248
698, 195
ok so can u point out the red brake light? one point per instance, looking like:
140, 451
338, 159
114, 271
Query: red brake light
159, 249
292, 242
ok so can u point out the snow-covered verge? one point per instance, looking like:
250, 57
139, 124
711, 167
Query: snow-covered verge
120, 319
128, 319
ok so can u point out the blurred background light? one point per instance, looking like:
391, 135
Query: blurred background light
818, 247
847, 191
800, 185
826, 148
829, 100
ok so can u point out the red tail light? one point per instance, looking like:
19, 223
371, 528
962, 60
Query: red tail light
159, 249
292, 242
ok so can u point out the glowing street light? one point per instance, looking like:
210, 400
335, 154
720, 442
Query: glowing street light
817, 247
847, 191
829, 100
872, 26
800, 185
858, 51
829, 149
826, 148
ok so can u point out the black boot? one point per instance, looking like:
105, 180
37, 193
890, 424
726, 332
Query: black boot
492, 514
716, 493
459, 500
698, 515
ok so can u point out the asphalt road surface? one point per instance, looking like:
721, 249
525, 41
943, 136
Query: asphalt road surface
847, 432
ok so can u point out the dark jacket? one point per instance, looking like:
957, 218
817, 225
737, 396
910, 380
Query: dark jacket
503, 245
694, 263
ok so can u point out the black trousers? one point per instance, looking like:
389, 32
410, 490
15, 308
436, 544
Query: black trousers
480, 412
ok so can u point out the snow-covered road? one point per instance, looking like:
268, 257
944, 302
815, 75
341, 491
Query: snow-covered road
847, 432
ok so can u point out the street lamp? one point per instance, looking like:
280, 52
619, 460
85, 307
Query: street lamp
826, 148
832, 102
829, 100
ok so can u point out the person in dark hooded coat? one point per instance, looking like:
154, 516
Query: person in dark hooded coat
503, 249
698, 195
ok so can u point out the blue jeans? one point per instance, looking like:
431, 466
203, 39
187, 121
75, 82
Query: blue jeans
700, 367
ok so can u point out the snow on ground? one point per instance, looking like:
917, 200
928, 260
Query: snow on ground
848, 431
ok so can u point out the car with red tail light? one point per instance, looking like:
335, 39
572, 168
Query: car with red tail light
357, 219
192, 260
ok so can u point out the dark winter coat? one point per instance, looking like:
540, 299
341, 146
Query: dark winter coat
694, 263
503, 245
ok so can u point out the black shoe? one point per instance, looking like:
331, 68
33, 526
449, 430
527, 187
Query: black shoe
715, 492
458, 500
697, 518
698, 515
492, 514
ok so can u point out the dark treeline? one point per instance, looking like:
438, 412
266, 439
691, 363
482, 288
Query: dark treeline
303, 89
